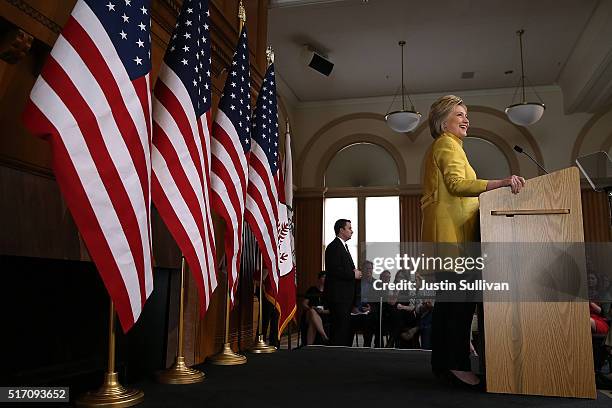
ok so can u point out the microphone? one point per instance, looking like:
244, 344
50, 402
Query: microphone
519, 149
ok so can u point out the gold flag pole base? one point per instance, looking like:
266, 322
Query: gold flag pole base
179, 373
227, 357
111, 394
261, 347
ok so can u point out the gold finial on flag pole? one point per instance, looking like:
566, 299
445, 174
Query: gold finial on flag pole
179, 373
270, 55
287, 131
241, 15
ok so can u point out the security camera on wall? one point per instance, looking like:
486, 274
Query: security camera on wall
317, 61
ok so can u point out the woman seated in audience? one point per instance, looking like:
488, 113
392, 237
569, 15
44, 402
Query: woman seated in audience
315, 311
599, 324
424, 311
405, 323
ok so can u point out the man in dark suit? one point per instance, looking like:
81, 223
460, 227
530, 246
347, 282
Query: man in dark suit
339, 289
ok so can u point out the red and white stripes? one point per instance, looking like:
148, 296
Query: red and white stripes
229, 175
181, 178
262, 209
97, 120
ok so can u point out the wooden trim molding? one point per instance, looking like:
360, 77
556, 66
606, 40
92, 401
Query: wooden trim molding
36, 15
26, 167
311, 192
405, 189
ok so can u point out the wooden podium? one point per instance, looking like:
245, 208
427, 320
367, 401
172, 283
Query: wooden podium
535, 347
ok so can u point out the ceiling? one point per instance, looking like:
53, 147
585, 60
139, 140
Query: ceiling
444, 39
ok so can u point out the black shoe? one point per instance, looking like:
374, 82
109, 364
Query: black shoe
454, 381
602, 382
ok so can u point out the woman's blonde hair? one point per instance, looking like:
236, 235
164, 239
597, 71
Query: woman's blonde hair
440, 110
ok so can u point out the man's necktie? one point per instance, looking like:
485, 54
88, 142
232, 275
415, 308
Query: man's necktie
350, 256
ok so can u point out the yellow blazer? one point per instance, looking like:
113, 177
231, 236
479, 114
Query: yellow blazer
450, 193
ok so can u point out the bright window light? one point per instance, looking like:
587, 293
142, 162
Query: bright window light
336, 208
382, 225
382, 219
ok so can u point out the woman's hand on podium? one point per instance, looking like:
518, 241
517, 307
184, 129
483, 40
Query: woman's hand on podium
516, 183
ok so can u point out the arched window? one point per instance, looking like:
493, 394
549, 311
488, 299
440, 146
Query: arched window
361, 179
362, 165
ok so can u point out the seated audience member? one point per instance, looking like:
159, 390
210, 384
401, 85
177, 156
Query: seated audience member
425, 313
315, 311
606, 305
404, 317
605, 295
599, 328
599, 323
364, 323
363, 293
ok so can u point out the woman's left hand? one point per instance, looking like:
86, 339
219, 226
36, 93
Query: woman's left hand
516, 183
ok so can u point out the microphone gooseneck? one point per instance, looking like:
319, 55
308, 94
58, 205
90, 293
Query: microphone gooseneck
519, 149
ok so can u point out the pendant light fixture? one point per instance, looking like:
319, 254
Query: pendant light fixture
524, 113
403, 120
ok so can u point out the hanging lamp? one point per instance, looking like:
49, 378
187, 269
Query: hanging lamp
403, 120
524, 113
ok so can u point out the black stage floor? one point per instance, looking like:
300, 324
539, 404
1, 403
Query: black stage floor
348, 377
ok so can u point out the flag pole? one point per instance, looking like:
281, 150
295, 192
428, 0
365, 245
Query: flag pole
179, 373
111, 393
227, 356
260, 345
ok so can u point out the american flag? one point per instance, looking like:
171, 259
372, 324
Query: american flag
92, 103
231, 143
262, 192
181, 144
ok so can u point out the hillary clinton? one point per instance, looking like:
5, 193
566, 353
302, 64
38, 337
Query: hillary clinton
450, 215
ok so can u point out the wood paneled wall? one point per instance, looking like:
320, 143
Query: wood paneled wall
308, 241
410, 218
35, 221
595, 216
